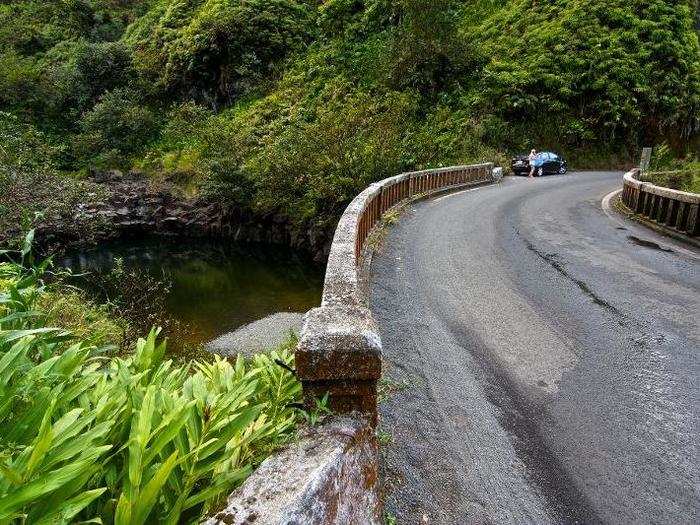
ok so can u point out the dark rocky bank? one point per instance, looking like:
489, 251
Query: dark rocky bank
111, 204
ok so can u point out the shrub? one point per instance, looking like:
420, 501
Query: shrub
176, 154
19, 81
127, 440
216, 51
114, 129
77, 73
618, 70
428, 53
671, 172
24, 150
308, 157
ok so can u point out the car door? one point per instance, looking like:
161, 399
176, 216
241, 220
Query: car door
552, 164
545, 162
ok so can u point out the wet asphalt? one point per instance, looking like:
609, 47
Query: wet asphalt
541, 358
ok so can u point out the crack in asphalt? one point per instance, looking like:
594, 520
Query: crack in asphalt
552, 260
648, 244
535, 401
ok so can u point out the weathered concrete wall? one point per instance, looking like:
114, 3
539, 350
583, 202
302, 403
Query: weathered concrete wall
328, 477
339, 351
677, 210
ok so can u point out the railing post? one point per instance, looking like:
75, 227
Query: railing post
681, 216
694, 220
339, 354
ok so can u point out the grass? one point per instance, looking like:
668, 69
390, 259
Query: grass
388, 386
92, 323
390, 218
684, 179
385, 438
128, 439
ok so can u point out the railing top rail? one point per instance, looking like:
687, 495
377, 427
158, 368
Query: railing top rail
341, 284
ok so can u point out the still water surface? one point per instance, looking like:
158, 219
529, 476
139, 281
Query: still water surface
215, 287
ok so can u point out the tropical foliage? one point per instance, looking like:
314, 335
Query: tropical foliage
291, 106
124, 440
668, 171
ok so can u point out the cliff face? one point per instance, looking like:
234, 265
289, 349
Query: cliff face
111, 204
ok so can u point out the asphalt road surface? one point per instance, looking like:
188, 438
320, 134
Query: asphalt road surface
542, 360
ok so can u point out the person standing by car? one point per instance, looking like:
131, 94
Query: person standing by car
531, 160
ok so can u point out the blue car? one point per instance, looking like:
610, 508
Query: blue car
546, 163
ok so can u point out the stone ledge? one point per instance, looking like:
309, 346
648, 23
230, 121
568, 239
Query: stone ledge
328, 477
339, 342
630, 179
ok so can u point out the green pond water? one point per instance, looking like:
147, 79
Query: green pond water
212, 287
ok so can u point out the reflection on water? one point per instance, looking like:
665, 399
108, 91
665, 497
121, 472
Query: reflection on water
215, 286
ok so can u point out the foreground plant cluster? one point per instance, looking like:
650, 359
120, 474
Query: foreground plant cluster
124, 440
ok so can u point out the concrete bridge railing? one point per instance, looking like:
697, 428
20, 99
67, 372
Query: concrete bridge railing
678, 210
339, 351
330, 476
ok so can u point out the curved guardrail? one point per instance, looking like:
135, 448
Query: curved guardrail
678, 210
339, 350
332, 474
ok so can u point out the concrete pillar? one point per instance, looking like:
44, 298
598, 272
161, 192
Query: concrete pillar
339, 354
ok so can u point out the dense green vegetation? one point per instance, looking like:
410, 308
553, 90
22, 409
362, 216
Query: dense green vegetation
291, 106
668, 171
91, 435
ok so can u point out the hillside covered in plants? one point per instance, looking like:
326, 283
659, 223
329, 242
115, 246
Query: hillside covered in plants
290, 107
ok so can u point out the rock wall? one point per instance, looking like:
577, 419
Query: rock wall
328, 477
118, 205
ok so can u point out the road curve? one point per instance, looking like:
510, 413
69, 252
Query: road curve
542, 360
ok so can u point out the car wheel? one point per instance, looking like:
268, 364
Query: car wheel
562, 169
540, 171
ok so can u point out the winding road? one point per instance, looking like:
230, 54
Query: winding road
541, 356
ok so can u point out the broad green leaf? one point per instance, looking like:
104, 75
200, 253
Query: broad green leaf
67, 510
10, 473
149, 494
42, 443
225, 482
122, 515
27, 244
168, 430
40, 486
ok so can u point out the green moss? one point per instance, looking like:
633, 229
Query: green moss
90, 322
